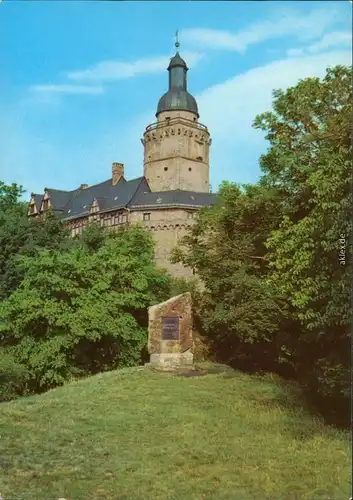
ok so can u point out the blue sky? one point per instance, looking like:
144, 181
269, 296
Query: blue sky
79, 81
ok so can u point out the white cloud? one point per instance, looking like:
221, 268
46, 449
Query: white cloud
116, 70
295, 52
334, 39
331, 40
232, 105
229, 108
68, 89
287, 24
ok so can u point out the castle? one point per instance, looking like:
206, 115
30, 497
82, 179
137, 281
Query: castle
174, 185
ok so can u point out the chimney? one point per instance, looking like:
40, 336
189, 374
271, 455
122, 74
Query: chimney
83, 186
117, 172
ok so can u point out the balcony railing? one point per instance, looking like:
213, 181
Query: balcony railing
174, 121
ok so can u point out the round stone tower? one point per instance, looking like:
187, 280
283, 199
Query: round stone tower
176, 147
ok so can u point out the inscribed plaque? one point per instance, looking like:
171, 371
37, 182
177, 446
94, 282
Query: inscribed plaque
170, 328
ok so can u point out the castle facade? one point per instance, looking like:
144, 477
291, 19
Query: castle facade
174, 185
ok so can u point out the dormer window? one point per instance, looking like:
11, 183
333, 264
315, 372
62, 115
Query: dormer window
32, 209
45, 204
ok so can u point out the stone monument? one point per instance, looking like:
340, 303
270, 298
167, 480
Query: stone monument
170, 341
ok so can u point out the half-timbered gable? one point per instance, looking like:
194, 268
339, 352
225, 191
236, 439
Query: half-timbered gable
35, 204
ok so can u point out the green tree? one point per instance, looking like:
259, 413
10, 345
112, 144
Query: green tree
309, 164
275, 257
9, 195
79, 310
23, 235
226, 247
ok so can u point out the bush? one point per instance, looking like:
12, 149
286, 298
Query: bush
83, 309
13, 377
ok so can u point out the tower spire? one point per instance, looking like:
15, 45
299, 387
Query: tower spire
177, 44
177, 96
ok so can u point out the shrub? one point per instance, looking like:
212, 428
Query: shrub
13, 377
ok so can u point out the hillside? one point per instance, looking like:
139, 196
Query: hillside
138, 435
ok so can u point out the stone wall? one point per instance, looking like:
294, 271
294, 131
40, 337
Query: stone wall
176, 153
167, 226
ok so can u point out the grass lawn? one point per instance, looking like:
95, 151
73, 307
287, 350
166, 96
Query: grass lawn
134, 434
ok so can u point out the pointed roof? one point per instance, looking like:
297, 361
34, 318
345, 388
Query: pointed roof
177, 61
37, 198
177, 97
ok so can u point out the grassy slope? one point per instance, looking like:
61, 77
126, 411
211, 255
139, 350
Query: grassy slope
138, 435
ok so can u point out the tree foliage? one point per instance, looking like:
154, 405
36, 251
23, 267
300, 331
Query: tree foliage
275, 257
226, 247
309, 163
82, 309
23, 235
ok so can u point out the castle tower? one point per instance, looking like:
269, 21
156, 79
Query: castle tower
176, 147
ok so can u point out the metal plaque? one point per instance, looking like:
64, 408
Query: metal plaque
170, 328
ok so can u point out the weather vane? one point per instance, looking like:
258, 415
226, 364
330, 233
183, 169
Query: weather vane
177, 44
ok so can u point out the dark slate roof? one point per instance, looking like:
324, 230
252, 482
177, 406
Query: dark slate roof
172, 198
59, 199
37, 200
177, 60
177, 96
109, 197
133, 194
177, 99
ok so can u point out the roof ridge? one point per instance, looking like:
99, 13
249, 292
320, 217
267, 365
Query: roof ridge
141, 179
77, 191
94, 185
60, 190
136, 179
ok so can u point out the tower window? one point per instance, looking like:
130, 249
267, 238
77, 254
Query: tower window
199, 158
189, 169
165, 169
146, 216
195, 118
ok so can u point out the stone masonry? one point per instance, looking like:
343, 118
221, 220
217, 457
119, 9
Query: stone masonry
176, 153
170, 340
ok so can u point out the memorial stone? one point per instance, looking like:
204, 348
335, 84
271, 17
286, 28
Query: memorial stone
170, 341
